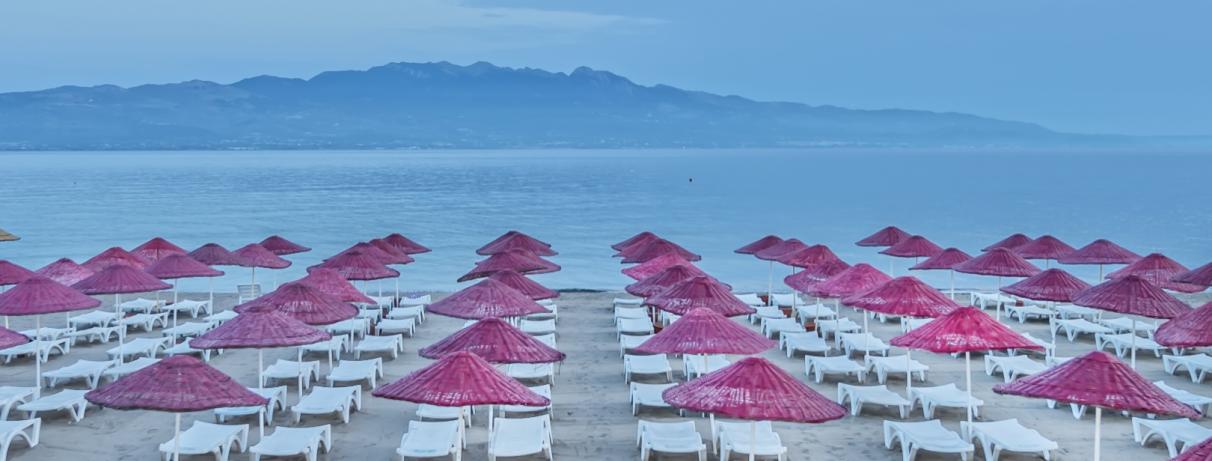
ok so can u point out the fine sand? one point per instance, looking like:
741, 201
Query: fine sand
592, 418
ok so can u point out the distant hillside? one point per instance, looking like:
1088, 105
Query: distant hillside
433, 105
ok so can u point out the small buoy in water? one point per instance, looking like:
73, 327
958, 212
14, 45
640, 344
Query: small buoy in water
691, 179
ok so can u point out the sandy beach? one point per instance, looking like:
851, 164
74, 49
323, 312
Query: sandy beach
591, 413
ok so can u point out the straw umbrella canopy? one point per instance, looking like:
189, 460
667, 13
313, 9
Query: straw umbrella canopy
754, 389
514, 240
1158, 270
303, 302
1053, 285
1100, 252
114, 255
254, 255
771, 254
39, 295
1190, 329
525, 285
10, 338
278, 245
1132, 295
178, 384
1199, 452
998, 262
520, 261
630, 240
1009, 243
662, 280
495, 341
1097, 379
642, 253
385, 254
356, 265
803, 280
398, 256
64, 271
331, 282
180, 266
704, 331
156, 248
1201, 275
652, 266
858, 278
964, 330
914, 246
946, 259
699, 292
759, 245
903, 297
488, 298
117, 280
809, 256
6, 236
12, 273
885, 237
213, 254
405, 244
1045, 247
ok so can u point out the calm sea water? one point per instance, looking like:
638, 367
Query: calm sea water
76, 204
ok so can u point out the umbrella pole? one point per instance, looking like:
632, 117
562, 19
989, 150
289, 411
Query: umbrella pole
998, 293
1133, 332
866, 337
1098, 433
275, 280
770, 283
177, 438
752, 439
260, 369
121, 328
908, 373
261, 424
380, 284
968, 386
38, 355
952, 284
210, 281
397, 291
300, 373
175, 282
891, 269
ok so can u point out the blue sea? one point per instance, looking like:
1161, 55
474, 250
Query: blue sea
76, 204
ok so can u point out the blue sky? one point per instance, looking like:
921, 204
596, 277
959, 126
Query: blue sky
1109, 66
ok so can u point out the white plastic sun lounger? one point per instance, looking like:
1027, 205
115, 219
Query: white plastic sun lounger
437, 413
221, 317
118, 371
392, 345
397, 326
372, 314
1074, 327
909, 324
656, 364
143, 305
808, 343
818, 367
275, 397
984, 300
667, 318
187, 329
203, 438
816, 311
246, 293
408, 312
520, 437
28, 430
543, 390
183, 348
669, 437
1200, 403
294, 441
766, 312
325, 400
1028, 311
93, 318
355, 327
432, 439
145, 347
1012, 366
1122, 344
97, 334
924, 435
616, 302
629, 312
875, 395
1070, 311
895, 365
1124, 325
862, 342
1175, 433
147, 322
382, 302
726, 436
538, 327
641, 326
834, 327
1008, 435
699, 365
1048, 348
190, 306
357, 371
947, 395
1197, 365
553, 312
48, 333
407, 301
59, 346
751, 299
773, 327
549, 340
649, 395
628, 342
69, 400
332, 347
88, 370
289, 370
531, 371
785, 299
14, 395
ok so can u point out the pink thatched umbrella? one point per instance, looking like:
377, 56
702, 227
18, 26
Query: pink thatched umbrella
304, 303
356, 265
771, 254
858, 278
655, 248
119, 279
254, 255
662, 280
1100, 252
915, 247
759, 245
1053, 285
405, 244
458, 380
1132, 295
114, 255
178, 266
278, 245
178, 384
488, 298
754, 389
803, 281
495, 341
399, 258
156, 248
514, 240
655, 265
645, 235
1009, 243
1199, 452
946, 259
213, 254
999, 262
527, 286
12, 274
1158, 270
805, 258
64, 271
1045, 247
10, 338
383, 256
635, 243
885, 237
903, 297
704, 331
39, 295
332, 283
964, 330
1188, 330
699, 292
1201, 276
520, 261
1097, 379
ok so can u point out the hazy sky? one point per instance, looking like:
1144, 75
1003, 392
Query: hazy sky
1139, 67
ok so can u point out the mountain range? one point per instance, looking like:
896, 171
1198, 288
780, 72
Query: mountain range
443, 105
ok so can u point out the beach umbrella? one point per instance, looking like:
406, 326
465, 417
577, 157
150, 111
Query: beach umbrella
645, 235
178, 266
803, 280
771, 254
357, 265
964, 330
525, 285
488, 298
332, 283
754, 389
1198, 452
946, 259
39, 295
1158, 270
998, 262
406, 245
1053, 285
662, 280
1201, 275
1009, 243
1097, 379
1132, 295
514, 240
117, 280
1100, 252
399, 257
495, 341
6, 236
303, 302
1045, 247
384, 257
10, 338
278, 245
520, 261
699, 292
885, 237
213, 254
759, 245
1188, 330
704, 331
858, 278
458, 380
64, 271
156, 248
254, 255
809, 256
12, 274
178, 384
652, 266
114, 255
641, 253
915, 247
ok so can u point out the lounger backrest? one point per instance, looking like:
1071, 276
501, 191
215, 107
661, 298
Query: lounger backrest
415, 301
656, 359
434, 431
521, 428
669, 430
